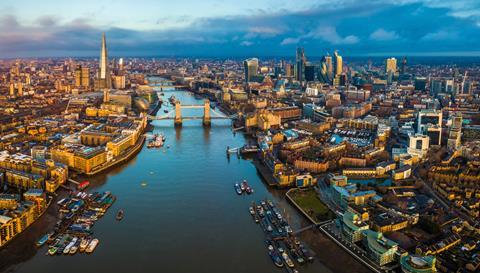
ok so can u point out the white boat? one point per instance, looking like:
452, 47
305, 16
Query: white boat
70, 245
91, 247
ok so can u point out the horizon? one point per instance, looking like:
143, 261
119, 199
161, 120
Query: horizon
268, 28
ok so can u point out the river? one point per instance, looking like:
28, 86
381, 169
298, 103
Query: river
187, 218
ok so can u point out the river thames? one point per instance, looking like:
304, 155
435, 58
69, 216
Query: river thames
187, 218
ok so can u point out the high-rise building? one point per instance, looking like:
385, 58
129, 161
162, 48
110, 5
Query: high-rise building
390, 65
251, 69
403, 67
300, 61
103, 78
420, 83
82, 76
329, 66
310, 72
338, 63
455, 133
435, 87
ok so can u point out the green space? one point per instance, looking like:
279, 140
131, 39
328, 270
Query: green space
310, 203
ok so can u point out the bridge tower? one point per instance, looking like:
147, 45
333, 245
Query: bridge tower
206, 114
178, 113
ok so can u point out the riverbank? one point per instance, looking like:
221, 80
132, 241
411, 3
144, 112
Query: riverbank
125, 157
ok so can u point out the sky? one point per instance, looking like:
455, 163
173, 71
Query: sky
240, 28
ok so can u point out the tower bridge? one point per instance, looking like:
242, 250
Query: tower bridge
179, 118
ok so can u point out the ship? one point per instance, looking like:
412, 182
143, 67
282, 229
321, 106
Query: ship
119, 215
157, 141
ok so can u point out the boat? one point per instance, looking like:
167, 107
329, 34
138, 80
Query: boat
92, 245
287, 260
243, 186
143, 184
248, 189
74, 249
119, 215
83, 185
84, 244
157, 141
238, 189
252, 211
276, 258
52, 250
42, 240
165, 111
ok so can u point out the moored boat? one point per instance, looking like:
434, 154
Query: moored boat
276, 258
84, 244
91, 247
287, 260
42, 240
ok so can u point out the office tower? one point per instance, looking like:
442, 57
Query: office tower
251, 69
403, 67
119, 82
429, 122
121, 65
329, 66
323, 74
310, 72
390, 65
420, 83
338, 63
289, 70
455, 133
418, 145
300, 61
12, 89
82, 76
103, 78
20, 89
435, 87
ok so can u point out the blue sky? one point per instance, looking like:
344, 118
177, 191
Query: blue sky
239, 28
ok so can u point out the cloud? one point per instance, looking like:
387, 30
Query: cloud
330, 34
383, 35
290, 41
440, 35
355, 27
246, 43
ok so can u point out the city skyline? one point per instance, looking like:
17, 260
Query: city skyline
187, 28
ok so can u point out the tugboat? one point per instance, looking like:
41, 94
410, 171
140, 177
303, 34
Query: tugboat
119, 215
238, 189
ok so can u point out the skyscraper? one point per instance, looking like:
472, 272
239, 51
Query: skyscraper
390, 65
82, 76
338, 63
300, 65
103, 78
403, 68
329, 65
250, 68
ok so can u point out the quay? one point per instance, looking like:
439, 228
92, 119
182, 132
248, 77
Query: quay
125, 157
